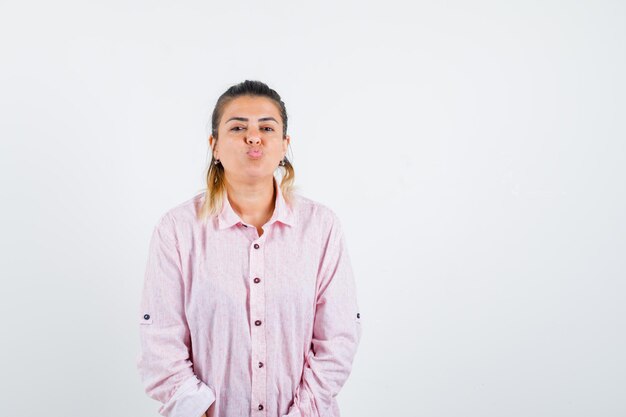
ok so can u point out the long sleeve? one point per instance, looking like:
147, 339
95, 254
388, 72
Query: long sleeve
163, 362
336, 332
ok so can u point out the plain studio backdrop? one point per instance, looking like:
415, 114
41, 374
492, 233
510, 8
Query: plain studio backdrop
474, 151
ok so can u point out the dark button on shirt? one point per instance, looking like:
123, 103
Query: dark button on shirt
257, 280
260, 364
256, 246
258, 322
146, 316
260, 406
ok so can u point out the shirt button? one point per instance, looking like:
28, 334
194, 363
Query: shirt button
260, 406
258, 322
256, 246
146, 316
260, 364
257, 280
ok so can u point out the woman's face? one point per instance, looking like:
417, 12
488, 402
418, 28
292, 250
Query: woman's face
250, 138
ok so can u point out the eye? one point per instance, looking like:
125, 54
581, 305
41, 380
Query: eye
237, 128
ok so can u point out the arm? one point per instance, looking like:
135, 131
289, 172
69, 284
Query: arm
164, 363
336, 331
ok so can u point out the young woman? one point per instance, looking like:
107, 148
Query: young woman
249, 303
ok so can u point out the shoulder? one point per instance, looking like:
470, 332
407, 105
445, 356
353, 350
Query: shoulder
180, 217
310, 211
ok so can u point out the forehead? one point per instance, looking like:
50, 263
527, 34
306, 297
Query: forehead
251, 108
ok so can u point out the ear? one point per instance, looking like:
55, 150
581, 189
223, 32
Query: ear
286, 142
213, 146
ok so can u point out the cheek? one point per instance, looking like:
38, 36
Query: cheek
277, 146
230, 149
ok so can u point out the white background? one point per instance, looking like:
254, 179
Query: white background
474, 151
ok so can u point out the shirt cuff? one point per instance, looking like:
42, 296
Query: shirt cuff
192, 399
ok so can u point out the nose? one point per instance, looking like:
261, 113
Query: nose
253, 138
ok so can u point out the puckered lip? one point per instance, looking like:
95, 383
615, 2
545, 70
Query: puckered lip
254, 150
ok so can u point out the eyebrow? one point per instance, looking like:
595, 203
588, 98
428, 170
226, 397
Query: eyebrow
245, 119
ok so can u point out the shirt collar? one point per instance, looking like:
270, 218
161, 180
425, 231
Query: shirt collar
282, 212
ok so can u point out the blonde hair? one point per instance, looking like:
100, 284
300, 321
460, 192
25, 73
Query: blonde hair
215, 190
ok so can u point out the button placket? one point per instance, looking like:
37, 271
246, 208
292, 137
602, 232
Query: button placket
257, 315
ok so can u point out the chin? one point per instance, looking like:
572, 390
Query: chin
257, 172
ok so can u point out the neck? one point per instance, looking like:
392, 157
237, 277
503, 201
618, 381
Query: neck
253, 202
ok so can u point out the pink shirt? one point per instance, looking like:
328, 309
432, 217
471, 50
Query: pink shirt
263, 326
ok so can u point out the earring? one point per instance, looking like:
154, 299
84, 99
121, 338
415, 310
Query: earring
282, 162
217, 162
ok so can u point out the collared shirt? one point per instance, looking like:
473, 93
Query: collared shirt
262, 326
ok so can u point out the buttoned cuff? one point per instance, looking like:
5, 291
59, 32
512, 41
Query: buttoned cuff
191, 399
